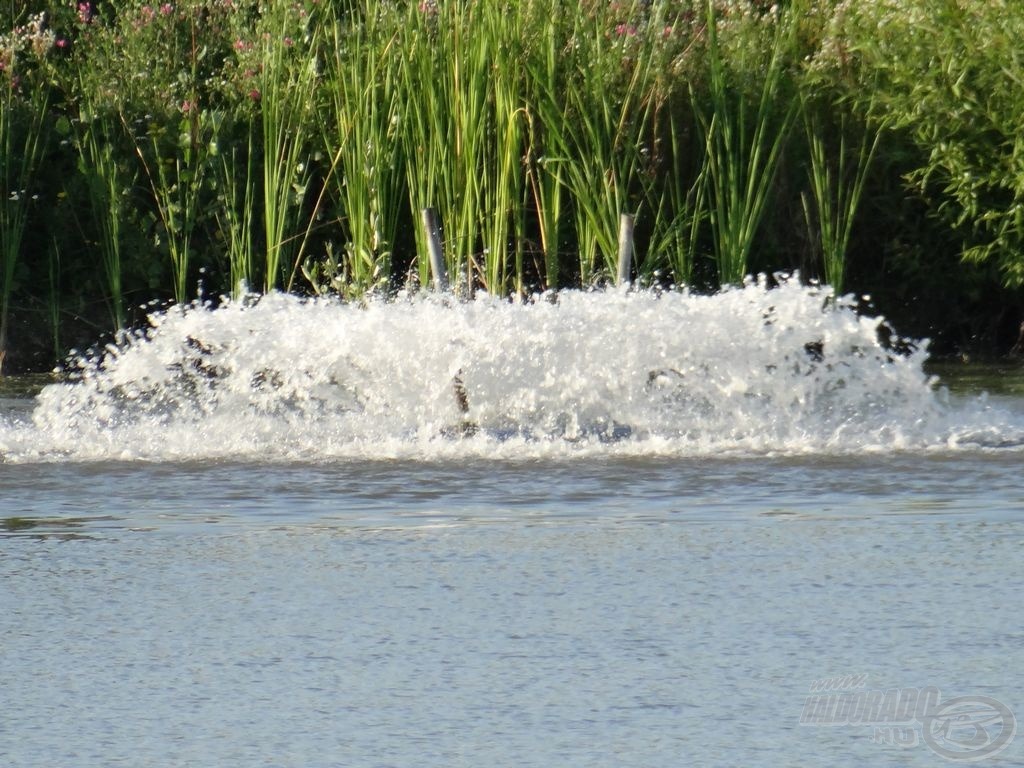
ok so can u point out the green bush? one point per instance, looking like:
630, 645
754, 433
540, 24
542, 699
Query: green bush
950, 73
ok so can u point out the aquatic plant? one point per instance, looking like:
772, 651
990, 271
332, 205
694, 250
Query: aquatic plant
108, 178
254, 142
680, 207
24, 133
949, 74
362, 134
837, 181
436, 161
454, 135
176, 167
154, 68
503, 181
746, 125
289, 71
598, 120
170, 125
237, 211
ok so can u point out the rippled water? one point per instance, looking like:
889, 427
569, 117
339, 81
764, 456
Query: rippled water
284, 578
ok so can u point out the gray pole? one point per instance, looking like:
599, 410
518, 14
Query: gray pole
625, 248
435, 251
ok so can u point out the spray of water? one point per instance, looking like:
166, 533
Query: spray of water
751, 370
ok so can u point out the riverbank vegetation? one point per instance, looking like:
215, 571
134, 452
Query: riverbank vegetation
158, 152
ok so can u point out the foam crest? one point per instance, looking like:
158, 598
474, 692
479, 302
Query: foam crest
749, 370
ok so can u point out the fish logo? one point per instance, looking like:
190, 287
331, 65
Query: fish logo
969, 728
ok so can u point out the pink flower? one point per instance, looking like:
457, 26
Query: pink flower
625, 29
187, 106
61, 42
166, 9
255, 95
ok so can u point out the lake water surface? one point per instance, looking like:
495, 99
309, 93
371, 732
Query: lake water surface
657, 541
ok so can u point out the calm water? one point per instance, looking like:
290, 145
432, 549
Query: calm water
510, 599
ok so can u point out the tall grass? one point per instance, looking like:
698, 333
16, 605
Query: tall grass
451, 133
363, 132
598, 121
289, 73
174, 134
744, 145
467, 77
270, 137
176, 167
23, 139
426, 133
503, 179
237, 211
680, 207
837, 180
543, 168
108, 181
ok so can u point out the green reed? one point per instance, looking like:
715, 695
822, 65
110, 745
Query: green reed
680, 207
237, 212
503, 180
837, 180
598, 119
176, 167
287, 92
108, 180
267, 131
544, 170
745, 134
177, 152
472, 120
445, 96
428, 103
546, 185
24, 133
466, 129
362, 132
99, 88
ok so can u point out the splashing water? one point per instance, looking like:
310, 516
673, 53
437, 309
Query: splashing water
751, 370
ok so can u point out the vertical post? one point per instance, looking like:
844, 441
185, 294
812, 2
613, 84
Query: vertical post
625, 248
434, 249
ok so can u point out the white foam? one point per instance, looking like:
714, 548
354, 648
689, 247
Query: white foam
750, 370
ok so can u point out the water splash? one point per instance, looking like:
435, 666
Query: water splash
751, 370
